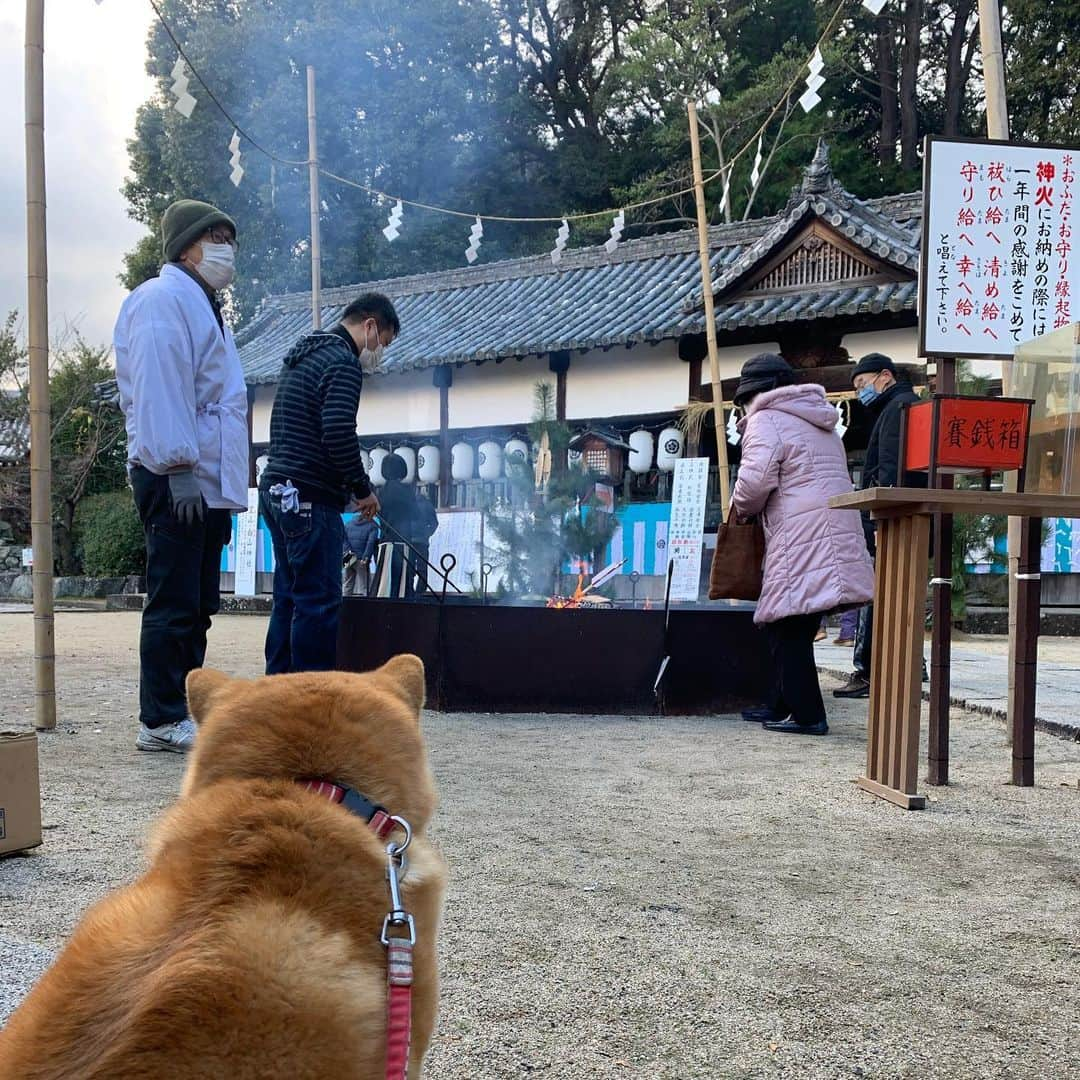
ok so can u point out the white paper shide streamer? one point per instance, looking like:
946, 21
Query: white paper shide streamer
617, 226
733, 436
237, 173
755, 172
561, 237
184, 103
476, 234
841, 418
393, 223
874, 6
814, 81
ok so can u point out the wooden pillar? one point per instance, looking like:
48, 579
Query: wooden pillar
443, 378
1025, 672
559, 364
693, 348
892, 747
941, 638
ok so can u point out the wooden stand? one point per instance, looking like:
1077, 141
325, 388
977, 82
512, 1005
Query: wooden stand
903, 517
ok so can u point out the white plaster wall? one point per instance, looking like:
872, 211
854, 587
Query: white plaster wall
626, 382
733, 358
261, 410
399, 403
901, 345
388, 405
493, 393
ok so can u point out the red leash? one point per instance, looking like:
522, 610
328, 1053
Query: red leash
399, 950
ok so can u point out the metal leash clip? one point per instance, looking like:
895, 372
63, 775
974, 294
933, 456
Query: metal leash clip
396, 869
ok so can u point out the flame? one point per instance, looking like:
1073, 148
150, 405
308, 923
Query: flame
560, 602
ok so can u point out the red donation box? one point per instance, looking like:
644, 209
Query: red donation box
952, 434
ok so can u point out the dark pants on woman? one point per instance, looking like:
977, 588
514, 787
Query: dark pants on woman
302, 635
796, 691
183, 581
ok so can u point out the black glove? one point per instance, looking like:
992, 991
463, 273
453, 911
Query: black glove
186, 498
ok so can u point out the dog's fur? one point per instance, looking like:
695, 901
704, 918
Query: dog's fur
250, 948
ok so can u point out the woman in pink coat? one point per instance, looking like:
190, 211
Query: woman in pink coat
815, 558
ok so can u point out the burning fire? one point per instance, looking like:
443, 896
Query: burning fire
569, 601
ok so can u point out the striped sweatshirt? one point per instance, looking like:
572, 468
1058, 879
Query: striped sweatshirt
313, 439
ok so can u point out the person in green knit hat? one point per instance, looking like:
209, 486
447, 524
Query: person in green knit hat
185, 407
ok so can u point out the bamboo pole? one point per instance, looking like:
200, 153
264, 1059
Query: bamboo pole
313, 185
997, 127
710, 314
37, 278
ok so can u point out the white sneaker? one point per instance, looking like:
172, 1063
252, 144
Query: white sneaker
178, 738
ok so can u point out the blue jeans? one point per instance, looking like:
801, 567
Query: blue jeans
302, 635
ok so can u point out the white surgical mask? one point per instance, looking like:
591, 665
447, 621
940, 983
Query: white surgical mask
218, 266
371, 358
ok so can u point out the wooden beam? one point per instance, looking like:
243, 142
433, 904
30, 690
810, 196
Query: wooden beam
881, 501
443, 378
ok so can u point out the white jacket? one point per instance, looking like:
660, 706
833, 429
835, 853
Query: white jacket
182, 388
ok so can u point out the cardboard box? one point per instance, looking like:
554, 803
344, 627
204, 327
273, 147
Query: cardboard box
20, 793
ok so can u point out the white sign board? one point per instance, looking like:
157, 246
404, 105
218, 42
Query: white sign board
687, 527
461, 534
28, 557
997, 262
247, 540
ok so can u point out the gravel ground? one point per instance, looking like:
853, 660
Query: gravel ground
647, 898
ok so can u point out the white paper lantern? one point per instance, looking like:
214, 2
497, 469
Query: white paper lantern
670, 449
490, 460
462, 462
640, 460
378, 456
365, 457
428, 461
575, 459
516, 452
408, 455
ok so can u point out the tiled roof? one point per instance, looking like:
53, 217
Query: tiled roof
648, 290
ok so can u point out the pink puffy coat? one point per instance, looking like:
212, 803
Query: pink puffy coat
792, 462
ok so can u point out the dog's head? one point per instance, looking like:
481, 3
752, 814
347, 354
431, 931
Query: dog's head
359, 730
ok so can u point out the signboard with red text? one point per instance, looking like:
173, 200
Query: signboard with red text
997, 254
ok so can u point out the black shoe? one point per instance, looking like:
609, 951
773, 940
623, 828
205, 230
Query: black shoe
762, 714
857, 686
790, 727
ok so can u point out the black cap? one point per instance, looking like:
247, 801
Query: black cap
765, 371
872, 363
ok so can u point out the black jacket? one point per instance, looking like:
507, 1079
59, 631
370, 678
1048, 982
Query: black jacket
313, 426
882, 463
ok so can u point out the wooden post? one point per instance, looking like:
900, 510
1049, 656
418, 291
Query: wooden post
1022, 698
37, 282
559, 365
313, 185
443, 379
941, 638
710, 314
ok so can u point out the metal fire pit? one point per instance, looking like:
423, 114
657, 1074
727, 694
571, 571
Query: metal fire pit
499, 658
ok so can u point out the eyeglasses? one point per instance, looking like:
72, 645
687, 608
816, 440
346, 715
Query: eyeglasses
220, 236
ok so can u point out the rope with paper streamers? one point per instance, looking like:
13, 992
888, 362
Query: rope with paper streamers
185, 104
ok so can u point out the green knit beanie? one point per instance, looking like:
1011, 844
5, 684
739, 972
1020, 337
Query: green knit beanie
185, 221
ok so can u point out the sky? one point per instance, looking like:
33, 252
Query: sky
95, 80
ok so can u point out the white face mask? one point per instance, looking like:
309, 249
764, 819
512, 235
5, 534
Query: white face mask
218, 266
371, 358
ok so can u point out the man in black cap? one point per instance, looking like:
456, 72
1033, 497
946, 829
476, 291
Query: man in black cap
883, 392
185, 406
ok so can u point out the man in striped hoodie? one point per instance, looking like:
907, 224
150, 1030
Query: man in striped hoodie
315, 469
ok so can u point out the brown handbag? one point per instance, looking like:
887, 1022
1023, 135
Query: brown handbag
738, 560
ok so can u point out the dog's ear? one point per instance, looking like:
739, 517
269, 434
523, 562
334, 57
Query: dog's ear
404, 677
202, 684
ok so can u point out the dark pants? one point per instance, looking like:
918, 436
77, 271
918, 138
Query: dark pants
183, 578
420, 565
302, 635
796, 690
864, 641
